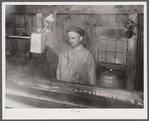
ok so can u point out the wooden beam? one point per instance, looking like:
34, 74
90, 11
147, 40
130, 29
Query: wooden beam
39, 22
70, 13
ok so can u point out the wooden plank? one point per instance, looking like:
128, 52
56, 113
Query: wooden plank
59, 28
13, 18
132, 44
7, 40
10, 21
111, 19
27, 31
12, 31
120, 20
19, 20
35, 22
13, 46
9, 18
13, 42
7, 45
32, 23
131, 55
39, 21
26, 44
19, 31
94, 42
19, 44
74, 20
55, 69
49, 55
51, 70
80, 19
84, 18
87, 39
139, 73
55, 57
105, 20
23, 31
8, 30
95, 17
48, 70
8, 49
131, 73
66, 25
77, 20
20, 9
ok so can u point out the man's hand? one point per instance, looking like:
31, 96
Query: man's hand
50, 18
50, 22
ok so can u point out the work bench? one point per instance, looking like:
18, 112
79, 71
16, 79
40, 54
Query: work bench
40, 92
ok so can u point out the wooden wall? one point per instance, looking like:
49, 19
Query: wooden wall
139, 54
26, 24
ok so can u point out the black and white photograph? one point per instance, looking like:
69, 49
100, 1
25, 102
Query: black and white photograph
74, 60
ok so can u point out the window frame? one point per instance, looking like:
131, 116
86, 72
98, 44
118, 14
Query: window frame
115, 52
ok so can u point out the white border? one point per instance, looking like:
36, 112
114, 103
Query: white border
74, 3
67, 113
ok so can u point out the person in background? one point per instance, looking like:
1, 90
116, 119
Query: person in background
76, 63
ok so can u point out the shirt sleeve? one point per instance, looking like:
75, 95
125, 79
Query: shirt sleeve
91, 70
52, 42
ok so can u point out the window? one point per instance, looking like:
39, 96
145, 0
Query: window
111, 46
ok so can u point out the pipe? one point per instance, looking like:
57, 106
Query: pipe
18, 37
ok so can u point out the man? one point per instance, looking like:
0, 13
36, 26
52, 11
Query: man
76, 63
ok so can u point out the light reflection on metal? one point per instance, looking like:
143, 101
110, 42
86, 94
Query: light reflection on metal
19, 37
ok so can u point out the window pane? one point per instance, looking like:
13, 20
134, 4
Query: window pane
111, 39
110, 57
103, 31
103, 37
121, 39
120, 33
111, 33
120, 46
102, 57
111, 46
102, 44
120, 58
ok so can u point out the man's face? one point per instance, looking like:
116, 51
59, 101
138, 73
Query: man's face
74, 39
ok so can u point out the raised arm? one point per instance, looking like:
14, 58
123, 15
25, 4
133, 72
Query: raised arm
49, 37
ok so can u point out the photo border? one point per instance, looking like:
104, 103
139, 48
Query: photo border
67, 113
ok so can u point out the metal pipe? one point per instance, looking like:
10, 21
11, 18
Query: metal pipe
18, 37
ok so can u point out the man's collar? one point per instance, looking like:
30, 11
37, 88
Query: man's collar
78, 48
